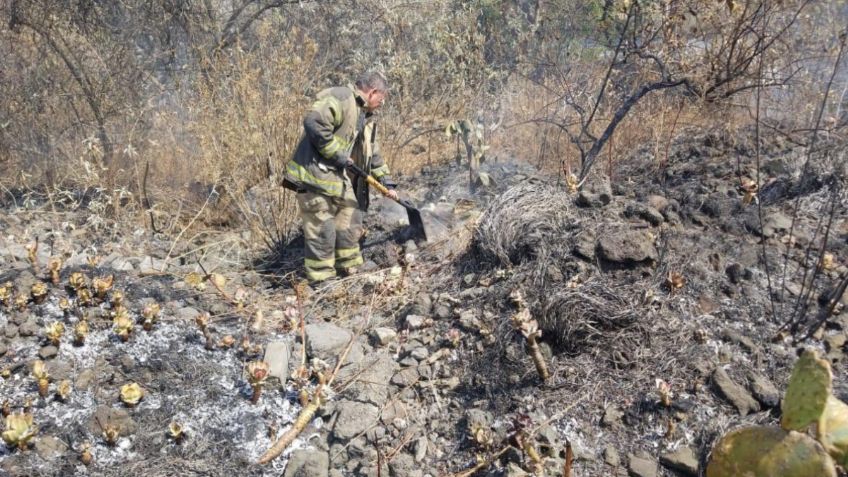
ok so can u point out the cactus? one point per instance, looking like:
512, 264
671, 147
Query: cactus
19, 430
768, 452
807, 393
131, 394
832, 430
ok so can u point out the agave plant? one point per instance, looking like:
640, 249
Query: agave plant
39, 372
80, 332
65, 305
117, 299
150, 314
55, 266
84, 297
21, 301
38, 292
63, 390
54, 332
102, 285
19, 430
123, 325
227, 342
195, 280
7, 290
78, 281
110, 434
257, 373
176, 431
85, 453
131, 394
32, 253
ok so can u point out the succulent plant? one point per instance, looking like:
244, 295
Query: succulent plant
117, 299
65, 305
55, 266
32, 253
675, 281
150, 313
85, 453
664, 390
80, 332
529, 328
131, 394
39, 372
227, 342
19, 430
6, 409
110, 434
481, 435
38, 292
102, 285
7, 290
176, 431
807, 394
78, 281
54, 332
21, 301
63, 390
123, 326
84, 297
202, 321
768, 452
195, 280
257, 373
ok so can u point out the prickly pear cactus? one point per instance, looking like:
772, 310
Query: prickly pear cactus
769, 452
832, 430
809, 388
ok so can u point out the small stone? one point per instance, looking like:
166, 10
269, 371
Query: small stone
442, 312
683, 460
30, 328
85, 379
834, 342
642, 466
405, 377
415, 322
612, 417
10, 331
611, 457
468, 320
627, 247
383, 336
353, 418
277, 357
733, 392
469, 279
151, 266
117, 417
187, 313
763, 390
3, 348
420, 354
325, 340
307, 462
50, 448
127, 363
420, 449
48, 352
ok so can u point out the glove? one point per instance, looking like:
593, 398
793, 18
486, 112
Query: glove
342, 161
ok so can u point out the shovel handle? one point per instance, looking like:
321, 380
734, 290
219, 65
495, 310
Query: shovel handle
371, 180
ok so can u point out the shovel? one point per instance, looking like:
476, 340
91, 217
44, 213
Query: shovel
414, 215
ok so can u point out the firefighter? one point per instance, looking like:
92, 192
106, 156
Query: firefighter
340, 129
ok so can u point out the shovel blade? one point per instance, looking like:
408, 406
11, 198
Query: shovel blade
416, 224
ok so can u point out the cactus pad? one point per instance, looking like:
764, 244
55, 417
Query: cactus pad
807, 393
832, 430
769, 452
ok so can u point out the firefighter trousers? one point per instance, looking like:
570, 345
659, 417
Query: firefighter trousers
332, 227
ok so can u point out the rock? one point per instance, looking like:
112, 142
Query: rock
127, 363
682, 460
611, 457
642, 466
30, 328
308, 463
596, 193
326, 340
353, 418
733, 392
468, 320
415, 322
644, 212
420, 447
187, 313
383, 336
151, 266
85, 379
50, 448
834, 342
406, 377
420, 353
3, 348
48, 352
612, 417
627, 247
423, 305
402, 465
370, 386
514, 470
584, 245
277, 356
117, 262
117, 417
442, 312
735, 337
658, 202
10, 331
77, 260
763, 390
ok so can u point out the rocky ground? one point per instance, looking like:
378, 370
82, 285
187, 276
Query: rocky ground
651, 290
